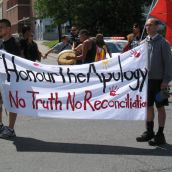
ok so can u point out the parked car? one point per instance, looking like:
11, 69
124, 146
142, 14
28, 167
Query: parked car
116, 46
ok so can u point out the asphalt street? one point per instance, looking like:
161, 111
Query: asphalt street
63, 145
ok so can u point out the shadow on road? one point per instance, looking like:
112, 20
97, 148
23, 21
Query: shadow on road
33, 145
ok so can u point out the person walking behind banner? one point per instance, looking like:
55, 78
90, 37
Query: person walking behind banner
10, 45
88, 52
29, 48
64, 45
134, 37
159, 75
101, 48
74, 39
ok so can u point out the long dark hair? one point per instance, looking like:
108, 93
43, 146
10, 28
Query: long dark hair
99, 40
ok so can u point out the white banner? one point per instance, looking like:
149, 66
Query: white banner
115, 88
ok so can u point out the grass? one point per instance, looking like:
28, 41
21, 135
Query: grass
50, 44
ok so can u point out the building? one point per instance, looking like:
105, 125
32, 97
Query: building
0, 9
44, 30
21, 12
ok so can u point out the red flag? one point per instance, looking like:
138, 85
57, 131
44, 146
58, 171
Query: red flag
163, 12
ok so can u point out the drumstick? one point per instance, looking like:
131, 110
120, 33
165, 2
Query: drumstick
73, 46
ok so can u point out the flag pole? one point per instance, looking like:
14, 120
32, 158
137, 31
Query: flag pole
152, 4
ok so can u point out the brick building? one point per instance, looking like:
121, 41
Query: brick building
19, 12
0, 9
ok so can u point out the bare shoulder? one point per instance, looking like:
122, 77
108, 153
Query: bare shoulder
87, 42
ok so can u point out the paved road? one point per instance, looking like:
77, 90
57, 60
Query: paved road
51, 59
57, 145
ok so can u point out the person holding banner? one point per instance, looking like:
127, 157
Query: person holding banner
160, 74
29, 48
10, 45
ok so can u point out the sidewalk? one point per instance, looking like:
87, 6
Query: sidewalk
43, 49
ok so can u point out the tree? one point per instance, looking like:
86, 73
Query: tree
111, 17
60, 10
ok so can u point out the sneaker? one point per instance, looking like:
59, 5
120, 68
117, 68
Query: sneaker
158, 140
7, 133
146, 136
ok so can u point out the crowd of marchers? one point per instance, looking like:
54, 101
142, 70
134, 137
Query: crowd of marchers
87, 49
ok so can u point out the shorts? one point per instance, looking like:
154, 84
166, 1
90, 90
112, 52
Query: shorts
154, 87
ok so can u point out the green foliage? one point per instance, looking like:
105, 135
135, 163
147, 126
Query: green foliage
111, 17
50, 44
60, 10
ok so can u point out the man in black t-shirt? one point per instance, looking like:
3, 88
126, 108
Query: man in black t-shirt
11, 45
29, 48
